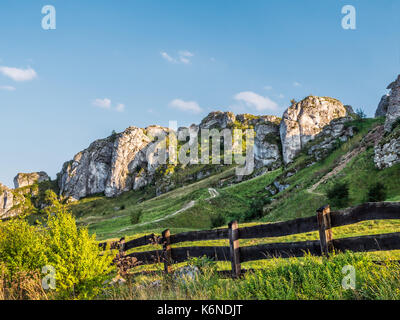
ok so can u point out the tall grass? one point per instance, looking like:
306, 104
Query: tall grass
309, 278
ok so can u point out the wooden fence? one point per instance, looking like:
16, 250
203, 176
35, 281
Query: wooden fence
324, 222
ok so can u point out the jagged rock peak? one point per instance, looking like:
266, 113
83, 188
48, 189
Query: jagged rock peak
222, 120
303, 120
390, 105
103, 166
28, 179
218, 119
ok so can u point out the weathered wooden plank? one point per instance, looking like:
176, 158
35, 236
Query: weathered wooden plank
148, 257
279, 250
234, 249
380, 242
279, 229
389, 241
200, 235
366, 211
325, 229
139, 242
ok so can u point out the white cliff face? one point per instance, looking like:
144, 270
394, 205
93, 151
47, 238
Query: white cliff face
125, 148
218, 119
393, 104
103, 167
387, 154
28, 179
267, 145
6, 201
304, 120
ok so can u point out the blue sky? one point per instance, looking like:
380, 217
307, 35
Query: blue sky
113, 64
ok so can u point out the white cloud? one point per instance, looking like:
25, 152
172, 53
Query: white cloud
184, 57
102, 103
190, 106
186, 53
18, 74
184, 60
107, 104
167, 57
296, 84
7, 88
281, 96
257, 101
120, 107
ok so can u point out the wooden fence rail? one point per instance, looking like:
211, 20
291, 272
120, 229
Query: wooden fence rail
325, 221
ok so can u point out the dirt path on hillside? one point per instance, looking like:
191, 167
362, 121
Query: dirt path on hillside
372, 138
213, 193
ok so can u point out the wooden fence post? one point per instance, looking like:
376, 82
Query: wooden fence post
166, 236
122, 246
234, 248
325, 229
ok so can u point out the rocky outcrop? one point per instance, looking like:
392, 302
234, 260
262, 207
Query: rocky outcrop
329, 138
304, 120
390, 105
383, 106
28, 179
388, 154
6, 202
387, 151
218, 120
267, 144
104, 166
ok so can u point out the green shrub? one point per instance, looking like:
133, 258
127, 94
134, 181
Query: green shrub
377, 192
217, 221
256, 210
135, 216
22, 247
80, 265
338, 195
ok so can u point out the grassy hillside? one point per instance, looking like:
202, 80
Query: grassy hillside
192, 207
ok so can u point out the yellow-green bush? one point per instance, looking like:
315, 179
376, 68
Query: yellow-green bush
80, 266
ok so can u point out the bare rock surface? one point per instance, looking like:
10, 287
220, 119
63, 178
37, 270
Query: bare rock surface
304, 120
28, 179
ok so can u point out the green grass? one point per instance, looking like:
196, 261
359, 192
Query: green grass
308, 278
110, 218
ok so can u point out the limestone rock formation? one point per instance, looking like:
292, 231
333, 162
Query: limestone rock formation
387, 151
6, 201
383, 106
390, 105
388, 154
328, 138
304, 120
28, 179
104, 166
218, 119
267, 144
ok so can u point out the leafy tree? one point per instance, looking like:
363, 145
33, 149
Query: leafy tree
256, 209
361, 114
217, 221
338, 195
377, 192
135, 216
